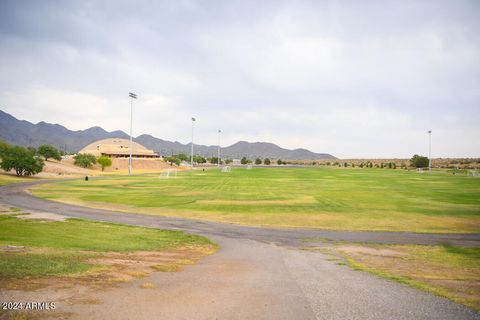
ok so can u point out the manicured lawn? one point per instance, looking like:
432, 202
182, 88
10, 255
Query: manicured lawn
62, 247
8, 178
330, 198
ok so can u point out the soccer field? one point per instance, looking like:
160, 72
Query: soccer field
327, 198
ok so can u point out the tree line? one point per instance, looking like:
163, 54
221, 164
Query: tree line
30, 161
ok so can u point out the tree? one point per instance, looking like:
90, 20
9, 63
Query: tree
228, 161
48, 151
266, 161
84, 160
3, 147
23, 161
345, 164
244, 160
279, 162
173, 160
104, 161
199, 159
419, 161
258, 161
183, 157
213, 160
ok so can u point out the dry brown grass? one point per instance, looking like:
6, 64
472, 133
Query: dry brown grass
449, 272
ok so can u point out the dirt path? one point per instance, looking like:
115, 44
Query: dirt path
257, 274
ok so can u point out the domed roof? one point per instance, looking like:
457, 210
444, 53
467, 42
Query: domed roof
116, 146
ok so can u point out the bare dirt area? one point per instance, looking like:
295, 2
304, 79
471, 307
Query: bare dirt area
78, 291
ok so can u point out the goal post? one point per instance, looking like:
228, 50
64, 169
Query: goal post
168, 173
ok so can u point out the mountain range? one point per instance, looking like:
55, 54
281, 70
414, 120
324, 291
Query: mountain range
24, 133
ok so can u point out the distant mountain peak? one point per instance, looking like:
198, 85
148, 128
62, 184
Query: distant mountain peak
25, 133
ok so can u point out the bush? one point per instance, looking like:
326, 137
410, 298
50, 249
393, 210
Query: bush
279, 162
104, 161
48, 151
419, 161
84, 160
173, 160
244, 160
228, 161
258, 161
23, 161
266, 161
199, 159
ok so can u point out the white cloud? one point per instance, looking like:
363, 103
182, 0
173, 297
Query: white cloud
355, 79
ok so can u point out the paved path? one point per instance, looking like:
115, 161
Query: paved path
258, 274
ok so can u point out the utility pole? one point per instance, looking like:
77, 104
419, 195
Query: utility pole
191, 154
218, 155
132, 96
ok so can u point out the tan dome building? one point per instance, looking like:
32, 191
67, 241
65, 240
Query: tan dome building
118, 148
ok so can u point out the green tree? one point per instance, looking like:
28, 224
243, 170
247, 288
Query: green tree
267, 161
419, 161
213, 160
258, 161
345, 164
3, 147
173, 160
279, 162
244, 160
104, 161
228, 161
47, 151
23, 161
84, 160
199, 159
183, 157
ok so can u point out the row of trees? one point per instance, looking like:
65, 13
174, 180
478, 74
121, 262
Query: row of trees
87, 160
177, 159
259, 161
30, 161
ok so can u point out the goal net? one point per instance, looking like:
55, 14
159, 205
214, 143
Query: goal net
168, 173
226, 169
249, 167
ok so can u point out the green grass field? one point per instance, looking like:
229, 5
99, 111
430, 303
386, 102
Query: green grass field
330, 198
62, 247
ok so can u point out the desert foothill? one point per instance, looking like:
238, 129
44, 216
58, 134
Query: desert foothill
239, 160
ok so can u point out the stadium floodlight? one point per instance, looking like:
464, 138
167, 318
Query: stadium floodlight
218, 155
429, 149
132, 96
191, 154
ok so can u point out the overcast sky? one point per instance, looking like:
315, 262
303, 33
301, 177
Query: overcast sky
351, 78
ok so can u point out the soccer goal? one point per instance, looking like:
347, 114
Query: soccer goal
249, 167
168, 173
473, 173
226, 169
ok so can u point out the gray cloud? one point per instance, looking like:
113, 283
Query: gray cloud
356, 79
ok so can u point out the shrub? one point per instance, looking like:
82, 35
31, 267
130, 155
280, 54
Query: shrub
258, 161
419, 161
84, 160
266, 161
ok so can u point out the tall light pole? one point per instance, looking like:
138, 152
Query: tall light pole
132, 96
191, 154
218, 155
429, 149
